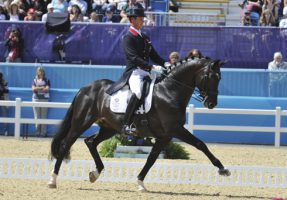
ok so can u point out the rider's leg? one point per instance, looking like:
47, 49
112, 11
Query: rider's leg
132, 106
135, 82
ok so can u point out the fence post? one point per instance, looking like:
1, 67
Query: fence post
17, 118
277, 126
190, 117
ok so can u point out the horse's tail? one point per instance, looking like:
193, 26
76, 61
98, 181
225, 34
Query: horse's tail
57, 145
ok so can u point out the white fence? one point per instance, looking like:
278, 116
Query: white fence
276, 129
164, 173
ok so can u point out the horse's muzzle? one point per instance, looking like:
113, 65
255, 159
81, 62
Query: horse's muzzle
209, 104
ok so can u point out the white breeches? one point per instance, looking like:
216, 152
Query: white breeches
136, 81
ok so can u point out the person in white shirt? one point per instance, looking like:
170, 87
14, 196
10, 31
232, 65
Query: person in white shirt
50, 9
277, 63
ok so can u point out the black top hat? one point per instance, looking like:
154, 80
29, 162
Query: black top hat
136, 11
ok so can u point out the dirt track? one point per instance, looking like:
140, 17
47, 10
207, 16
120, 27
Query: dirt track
228, 154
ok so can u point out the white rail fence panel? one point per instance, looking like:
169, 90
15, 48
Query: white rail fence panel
164, 173
191, 110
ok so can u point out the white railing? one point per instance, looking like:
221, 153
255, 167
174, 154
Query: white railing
276, 129
191, 110
164, 173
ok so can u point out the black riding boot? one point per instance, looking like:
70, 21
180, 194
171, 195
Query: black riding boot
131, 108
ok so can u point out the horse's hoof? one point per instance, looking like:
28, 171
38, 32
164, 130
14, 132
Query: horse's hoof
52, 185
141, 187
224, 172
93, 176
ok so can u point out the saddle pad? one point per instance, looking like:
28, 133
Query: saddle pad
119, 100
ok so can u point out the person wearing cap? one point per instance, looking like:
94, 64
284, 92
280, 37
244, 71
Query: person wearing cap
109, 16
138, 50
50, 9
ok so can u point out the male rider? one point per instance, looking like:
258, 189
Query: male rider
138, 50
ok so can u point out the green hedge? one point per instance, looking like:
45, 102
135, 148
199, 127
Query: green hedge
172, 151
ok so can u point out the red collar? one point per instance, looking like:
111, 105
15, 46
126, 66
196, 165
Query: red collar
135, 33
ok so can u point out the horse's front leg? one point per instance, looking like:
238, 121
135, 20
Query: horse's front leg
187, 137
159, 145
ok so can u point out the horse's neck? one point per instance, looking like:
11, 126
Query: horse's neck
180, 83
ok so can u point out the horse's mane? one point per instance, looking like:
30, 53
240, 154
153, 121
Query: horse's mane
183, 64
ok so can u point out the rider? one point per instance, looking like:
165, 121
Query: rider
138, 50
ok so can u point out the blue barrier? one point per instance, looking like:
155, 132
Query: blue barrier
234, 82
101, 44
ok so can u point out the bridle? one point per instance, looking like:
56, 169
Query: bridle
203, 90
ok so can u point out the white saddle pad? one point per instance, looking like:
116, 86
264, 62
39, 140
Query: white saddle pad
119, 100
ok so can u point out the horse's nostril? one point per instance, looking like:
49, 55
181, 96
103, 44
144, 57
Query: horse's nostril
210, 105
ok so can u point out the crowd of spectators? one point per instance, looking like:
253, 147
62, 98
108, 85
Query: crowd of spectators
108, 11
264, 12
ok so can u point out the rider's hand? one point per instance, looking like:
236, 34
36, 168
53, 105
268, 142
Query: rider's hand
157, 68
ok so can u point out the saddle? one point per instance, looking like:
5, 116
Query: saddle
120, 99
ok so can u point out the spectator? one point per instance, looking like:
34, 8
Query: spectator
40, 88
273, 6
4, 96
50, 9
283, 21
125, 11
255, 10
14, 46
31, 15
76, 14
3, 13
277, 63
14, 12
60, 6
173, 57
267, 18
82, 5
246, 20
194, 53
40, 7
109, 16
121, 4
94, 17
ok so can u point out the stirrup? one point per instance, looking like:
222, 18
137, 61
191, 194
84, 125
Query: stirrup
128, 129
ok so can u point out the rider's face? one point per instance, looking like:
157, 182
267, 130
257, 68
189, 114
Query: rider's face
137, 22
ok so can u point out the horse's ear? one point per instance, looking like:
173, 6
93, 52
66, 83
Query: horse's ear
221, 63
218, 63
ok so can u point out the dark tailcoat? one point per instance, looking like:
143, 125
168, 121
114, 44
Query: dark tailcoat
138, 50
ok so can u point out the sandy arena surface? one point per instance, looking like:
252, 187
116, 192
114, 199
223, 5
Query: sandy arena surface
11, 189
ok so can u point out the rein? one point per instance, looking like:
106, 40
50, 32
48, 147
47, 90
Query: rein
196, 91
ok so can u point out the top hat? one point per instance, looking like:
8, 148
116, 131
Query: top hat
136, 11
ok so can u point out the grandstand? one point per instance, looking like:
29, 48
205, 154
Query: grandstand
207, 13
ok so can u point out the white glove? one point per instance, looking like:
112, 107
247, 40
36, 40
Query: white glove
157, 68
167, 65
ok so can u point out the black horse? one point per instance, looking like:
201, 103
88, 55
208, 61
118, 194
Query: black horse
166, 118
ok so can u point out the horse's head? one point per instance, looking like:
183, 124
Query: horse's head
207, 82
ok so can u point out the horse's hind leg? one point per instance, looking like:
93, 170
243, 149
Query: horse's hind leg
187, 137
159, 145
92, 142
66, 145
